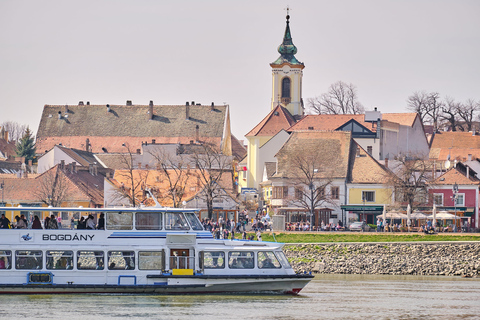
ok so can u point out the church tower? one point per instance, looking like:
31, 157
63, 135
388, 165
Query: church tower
287, 74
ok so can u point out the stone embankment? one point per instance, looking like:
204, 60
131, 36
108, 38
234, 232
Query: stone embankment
449, 259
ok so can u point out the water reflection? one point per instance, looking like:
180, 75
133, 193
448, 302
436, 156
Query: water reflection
326, 297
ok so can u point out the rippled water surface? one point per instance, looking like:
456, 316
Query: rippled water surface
326, 297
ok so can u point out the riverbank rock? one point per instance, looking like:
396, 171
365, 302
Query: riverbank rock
449, 259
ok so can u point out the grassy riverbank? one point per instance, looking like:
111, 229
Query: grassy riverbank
366, 237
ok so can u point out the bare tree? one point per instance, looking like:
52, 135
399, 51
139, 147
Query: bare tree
341, 98
175, 169
468, 112
411, 174
136, 180
15, 129
54, 187
311, 174
211, 166
418, 102
450, 111
427, 105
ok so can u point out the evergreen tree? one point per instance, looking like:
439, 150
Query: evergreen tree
26, 146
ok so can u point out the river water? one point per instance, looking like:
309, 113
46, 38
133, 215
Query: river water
326, 297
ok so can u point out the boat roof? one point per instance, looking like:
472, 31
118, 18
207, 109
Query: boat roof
112, 209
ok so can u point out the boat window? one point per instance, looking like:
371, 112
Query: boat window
175, 221
148, 221
283, 260
90, 260
267, 260
121, 260
28, 259
5, 259
240, 260
119, 220
150, 260
193, 220
214, 259
60, 260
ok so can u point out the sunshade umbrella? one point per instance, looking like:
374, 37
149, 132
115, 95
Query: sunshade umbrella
418, 215
409, 216
395, 215
444, 215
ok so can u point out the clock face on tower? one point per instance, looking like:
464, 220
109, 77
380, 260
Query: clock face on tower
286, 69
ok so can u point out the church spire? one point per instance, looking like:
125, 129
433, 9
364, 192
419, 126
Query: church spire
287, 76
287, 49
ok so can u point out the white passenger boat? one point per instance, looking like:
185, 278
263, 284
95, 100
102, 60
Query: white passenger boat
142, 250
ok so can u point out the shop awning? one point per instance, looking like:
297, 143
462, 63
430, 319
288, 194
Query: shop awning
361, 208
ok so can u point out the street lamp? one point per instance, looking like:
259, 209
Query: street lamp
363, 200
2, 186
455, 196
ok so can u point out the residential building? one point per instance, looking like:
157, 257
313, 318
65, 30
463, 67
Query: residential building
383, 136
461, 182
367, 189
123, 128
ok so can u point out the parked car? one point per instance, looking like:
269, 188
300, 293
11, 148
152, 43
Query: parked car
359, 226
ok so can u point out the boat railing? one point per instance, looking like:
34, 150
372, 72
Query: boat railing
181, 262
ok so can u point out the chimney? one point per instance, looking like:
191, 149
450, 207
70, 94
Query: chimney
150, 110
80, 103
153, 141
95, 169
197, 133
108, 174
386, 162
469, 157
87, 145
138, 151
62, 164
193, 103
468, 172
6, 136
187, 111
59, 115
66, 108
74, 167
88, 103
129, 102
108, 108
212, 107
139, 164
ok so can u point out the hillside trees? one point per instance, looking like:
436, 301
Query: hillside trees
341, 98
447, 112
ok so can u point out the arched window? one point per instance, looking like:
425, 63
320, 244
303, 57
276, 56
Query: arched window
286, 87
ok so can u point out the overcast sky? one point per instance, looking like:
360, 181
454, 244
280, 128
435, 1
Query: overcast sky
61, 52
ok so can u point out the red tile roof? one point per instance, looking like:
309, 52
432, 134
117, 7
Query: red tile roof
456, 144
279, 118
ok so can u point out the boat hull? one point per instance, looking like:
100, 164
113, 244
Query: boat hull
175, 285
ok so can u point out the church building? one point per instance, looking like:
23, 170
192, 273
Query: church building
286, 108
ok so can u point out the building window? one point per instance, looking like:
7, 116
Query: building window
280, 192
460, 199
438, 199
286, 87
298, 193
335, 192
368, 196
370, 150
